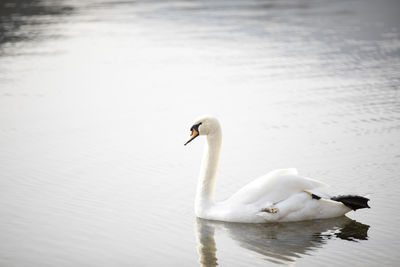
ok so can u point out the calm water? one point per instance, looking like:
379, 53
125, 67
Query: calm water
97, 98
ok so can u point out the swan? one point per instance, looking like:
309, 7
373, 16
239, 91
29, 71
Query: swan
278, 196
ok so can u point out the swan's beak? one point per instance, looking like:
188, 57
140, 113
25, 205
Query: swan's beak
195, 133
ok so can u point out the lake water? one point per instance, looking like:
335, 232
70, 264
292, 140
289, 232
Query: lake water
97, 98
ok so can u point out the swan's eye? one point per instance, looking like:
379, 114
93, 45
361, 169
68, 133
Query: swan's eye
195, 127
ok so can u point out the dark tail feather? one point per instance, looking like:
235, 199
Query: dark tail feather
353, 202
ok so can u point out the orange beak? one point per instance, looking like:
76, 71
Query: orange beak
195, 133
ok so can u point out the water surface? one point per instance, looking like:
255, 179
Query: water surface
97, 98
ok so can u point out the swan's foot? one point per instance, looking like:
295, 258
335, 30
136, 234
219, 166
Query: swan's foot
270, 210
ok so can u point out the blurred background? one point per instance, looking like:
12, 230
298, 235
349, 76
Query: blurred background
97, 98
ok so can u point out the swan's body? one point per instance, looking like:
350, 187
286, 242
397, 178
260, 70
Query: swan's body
278, 196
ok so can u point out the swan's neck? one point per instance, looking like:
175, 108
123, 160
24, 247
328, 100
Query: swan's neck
206, 183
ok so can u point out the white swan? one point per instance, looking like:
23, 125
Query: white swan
278, 196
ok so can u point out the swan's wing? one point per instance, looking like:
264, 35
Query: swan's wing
274, 187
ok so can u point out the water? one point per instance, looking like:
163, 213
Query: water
97, 98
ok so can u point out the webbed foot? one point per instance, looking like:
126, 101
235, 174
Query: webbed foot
270, 210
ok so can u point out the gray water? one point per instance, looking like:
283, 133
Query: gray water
97, 98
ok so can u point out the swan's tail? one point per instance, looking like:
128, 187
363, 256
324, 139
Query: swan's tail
352, 201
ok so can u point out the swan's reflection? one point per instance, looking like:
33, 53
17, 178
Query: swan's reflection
278, 242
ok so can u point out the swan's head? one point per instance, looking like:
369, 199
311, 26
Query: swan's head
206, 125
